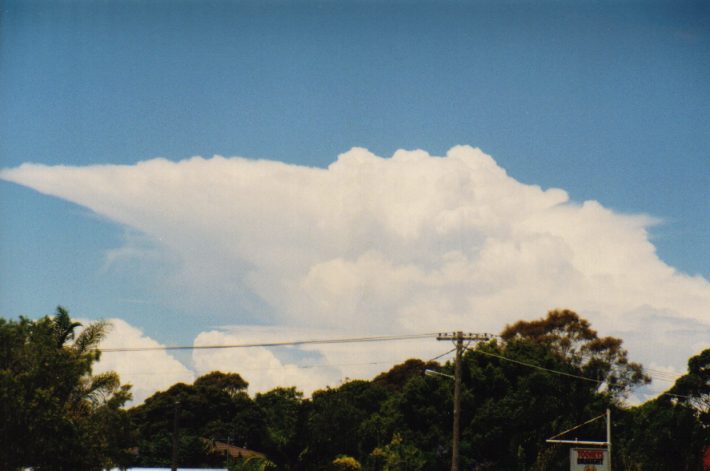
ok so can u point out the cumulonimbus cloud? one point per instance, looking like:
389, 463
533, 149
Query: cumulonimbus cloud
410, 243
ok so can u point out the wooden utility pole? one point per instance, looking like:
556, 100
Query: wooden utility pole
458, 339
175, 436
608, 434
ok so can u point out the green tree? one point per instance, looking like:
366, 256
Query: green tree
660, 435
345, 463
672, 430
572, 338
693, 388
284, 417
215, 407
399, 455
231, 383
399, 375
252, 463
335, 422
509, 408
543, 377
55, 413
420, 414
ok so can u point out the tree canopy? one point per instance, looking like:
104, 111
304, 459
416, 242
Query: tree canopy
56, 414
215, 408
693, 388
573, 338
675, 426
539, 378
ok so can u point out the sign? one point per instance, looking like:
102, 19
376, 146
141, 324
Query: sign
589, 459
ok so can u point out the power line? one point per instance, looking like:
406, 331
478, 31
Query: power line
293, 366
655, 374
664, 375
282, 367
576, 427
381, 338
335, 365
562, 373
666, 380
442, 355
536, 366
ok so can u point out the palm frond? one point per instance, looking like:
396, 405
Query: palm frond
91, 336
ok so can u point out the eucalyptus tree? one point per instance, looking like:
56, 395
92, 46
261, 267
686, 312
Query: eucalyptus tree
573, 339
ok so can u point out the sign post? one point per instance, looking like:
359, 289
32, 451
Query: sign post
588, 459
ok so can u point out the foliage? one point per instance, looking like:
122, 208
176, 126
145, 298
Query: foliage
510, 408
572, 338
284, 415
55, 413
659, 436
230, 383
335, 418
398, 455
541, 379
693, 388
396, 378
674, 425
215, 407
251, 463
420, 415
346, 463
515, 393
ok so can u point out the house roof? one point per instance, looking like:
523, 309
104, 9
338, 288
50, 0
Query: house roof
232, 450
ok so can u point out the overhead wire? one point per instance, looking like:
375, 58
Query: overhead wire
576, 427
562, 373
655, 374
306, 366
288, 366
535, 366
381, 338
663, 375
442, 355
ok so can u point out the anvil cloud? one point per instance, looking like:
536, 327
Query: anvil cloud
410, 243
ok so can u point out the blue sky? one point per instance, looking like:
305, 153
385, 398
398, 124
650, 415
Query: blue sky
606, 100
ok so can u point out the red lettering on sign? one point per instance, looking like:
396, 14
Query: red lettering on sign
590, 454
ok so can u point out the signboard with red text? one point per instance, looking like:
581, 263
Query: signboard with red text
589, 459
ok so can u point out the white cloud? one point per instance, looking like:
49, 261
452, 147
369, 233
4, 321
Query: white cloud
411, 243
147, 371
310, 366
259, 366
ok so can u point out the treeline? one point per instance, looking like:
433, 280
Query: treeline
540, 378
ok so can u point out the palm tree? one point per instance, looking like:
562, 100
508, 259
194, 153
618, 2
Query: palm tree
91, 391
